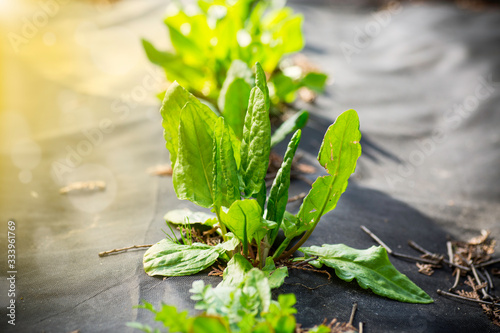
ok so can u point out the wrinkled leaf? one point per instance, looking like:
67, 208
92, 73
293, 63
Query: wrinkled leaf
371, 268
226, 187
244, 291
256, 287
255, 147
213, 301
278, 196
292, 124
244, 305
261, 83
290, 225
167, 258
194, 169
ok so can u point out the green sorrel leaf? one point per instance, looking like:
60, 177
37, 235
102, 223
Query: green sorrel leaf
251, 295
237, 70
338, 155
167, 258
175, 68
371, 268
235, 271
191, 51
255, 147
276, 276
314, 81
226, 185
244, 219
194, 169
236, 104
278, 196
210, 324
175, 99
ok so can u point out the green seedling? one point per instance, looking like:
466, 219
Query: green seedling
207, 38
240, 303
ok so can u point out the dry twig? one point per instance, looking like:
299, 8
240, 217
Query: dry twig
353, 313
445, 293
297, 197
395, 254
92, 185
123, 249
161, 170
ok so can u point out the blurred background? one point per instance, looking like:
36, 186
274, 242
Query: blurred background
63, 60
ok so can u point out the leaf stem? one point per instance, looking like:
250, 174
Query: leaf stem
300, 242
305, 261
222, 226
281, 248
264, 250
